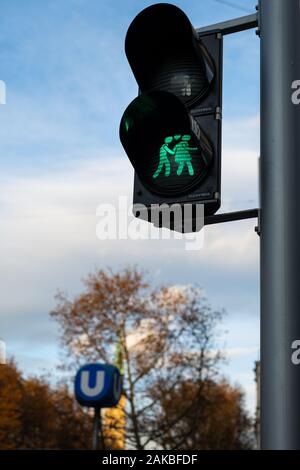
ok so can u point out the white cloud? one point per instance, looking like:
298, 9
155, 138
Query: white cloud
240, 352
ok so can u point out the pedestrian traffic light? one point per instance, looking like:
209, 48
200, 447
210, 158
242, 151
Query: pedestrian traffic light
172, 131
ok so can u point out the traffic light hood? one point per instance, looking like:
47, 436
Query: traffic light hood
164, 53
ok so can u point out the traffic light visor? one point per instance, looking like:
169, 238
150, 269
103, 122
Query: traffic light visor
165, 54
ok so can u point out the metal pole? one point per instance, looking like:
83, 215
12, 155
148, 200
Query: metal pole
280, 223
96, 425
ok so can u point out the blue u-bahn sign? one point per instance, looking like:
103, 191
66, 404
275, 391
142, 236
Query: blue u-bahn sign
98, 385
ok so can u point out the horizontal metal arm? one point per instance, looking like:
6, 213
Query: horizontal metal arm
230, 217
231, 26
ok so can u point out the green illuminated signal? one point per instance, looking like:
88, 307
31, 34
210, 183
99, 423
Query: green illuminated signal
180, 151
183, 156
163, 158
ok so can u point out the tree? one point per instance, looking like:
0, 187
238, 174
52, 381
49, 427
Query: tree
211, 418
167, 336
11, 395
35, 416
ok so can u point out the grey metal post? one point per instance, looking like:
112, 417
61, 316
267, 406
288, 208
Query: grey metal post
280, 224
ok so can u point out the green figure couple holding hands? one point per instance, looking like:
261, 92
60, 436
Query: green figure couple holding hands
181, 151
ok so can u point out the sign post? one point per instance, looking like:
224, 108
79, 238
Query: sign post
97, 426
280, 223
98, 386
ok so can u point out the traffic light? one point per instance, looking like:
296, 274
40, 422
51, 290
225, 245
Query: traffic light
172, 131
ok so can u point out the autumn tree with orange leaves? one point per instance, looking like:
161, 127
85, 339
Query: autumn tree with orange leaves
211, 416
168, 341
34, 415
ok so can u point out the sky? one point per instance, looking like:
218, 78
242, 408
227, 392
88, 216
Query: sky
67, 85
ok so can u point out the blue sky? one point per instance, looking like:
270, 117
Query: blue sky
68, 83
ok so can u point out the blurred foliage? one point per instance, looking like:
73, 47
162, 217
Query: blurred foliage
209, 417
114, 426
35, 416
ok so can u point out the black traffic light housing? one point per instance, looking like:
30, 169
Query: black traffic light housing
177, 116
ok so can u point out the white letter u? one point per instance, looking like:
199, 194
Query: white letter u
84, 383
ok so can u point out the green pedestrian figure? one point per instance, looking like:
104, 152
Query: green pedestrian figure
163, 158
183, 156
